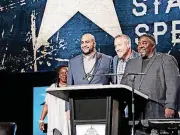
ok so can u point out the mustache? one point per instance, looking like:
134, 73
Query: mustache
142, 48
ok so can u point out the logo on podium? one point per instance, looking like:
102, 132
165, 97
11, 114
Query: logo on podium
91, 131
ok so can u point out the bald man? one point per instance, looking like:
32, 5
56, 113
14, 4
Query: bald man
82, 68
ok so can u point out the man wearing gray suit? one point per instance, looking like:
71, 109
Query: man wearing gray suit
159, 81
82, 67
88, 67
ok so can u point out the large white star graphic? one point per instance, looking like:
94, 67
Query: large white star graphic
58, 12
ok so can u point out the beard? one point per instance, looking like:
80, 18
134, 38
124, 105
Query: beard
88, 52
143, 53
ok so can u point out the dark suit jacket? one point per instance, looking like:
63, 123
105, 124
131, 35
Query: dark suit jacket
76, 73
159, 83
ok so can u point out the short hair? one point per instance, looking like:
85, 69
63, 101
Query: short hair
151, 37
57, 73
124, 36
59, 66
62, 66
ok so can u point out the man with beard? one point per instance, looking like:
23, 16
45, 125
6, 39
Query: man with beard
88, 67
159, 81
82, 67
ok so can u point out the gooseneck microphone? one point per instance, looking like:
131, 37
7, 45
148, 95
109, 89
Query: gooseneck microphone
111, 74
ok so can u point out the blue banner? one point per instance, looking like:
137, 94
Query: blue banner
38, 35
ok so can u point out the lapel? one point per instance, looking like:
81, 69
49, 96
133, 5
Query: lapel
138, 70
146, 69
115, 68
97, 63
81, 68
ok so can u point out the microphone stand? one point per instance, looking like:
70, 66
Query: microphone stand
133, 87
132, 101
133, 110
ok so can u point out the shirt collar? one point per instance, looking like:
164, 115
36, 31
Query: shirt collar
132, 56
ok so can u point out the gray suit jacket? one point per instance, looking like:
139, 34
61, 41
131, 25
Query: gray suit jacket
159, 83
76, 73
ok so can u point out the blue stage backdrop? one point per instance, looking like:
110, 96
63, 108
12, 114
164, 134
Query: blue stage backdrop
38, 100
38, 35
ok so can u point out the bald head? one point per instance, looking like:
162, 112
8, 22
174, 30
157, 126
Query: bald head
89, 36
88, 44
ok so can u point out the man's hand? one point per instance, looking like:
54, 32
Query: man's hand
169, 113
41, 125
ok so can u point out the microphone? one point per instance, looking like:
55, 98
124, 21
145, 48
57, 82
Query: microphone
113, 74
135, 73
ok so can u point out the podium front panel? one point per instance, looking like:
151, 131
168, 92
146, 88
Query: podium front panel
100, 106
90, 109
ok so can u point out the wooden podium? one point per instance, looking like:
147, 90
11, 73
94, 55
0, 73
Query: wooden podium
99, 109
